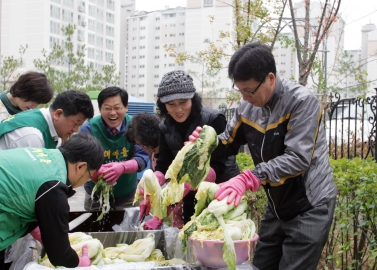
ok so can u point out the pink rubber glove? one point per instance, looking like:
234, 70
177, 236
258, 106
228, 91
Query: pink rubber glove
153, 223
115, 169
145, 206
98, 173
84, 259
237, 186
36, 233
195, 134
160, 177
211, 176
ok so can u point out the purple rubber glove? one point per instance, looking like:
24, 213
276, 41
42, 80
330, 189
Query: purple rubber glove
98, 173
84, 259
115, 169
145, 207
237, 186
153, 223
160, 177
36, 233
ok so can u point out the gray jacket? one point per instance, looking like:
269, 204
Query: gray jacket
288, 145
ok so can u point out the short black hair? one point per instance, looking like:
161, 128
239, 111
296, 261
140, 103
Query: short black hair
112, 91
73, 102
195, 109
32, 86
83, 147
144, 127
251, 61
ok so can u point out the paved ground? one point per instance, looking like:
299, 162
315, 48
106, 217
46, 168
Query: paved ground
76, 202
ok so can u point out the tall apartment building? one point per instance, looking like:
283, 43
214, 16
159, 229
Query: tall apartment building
369, 54
198, 29
38, 24
147, 59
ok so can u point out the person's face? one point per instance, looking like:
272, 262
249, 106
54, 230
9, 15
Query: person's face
179, 109
26, 105
113, 111
258, 97
66, 126
79, 174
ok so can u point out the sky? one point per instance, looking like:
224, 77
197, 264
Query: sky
355, 13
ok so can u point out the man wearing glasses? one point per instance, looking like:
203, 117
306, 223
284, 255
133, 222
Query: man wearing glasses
123, 159
280, 121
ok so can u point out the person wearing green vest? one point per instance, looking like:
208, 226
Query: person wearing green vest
122, 158
31, 89
43, 127
34, 199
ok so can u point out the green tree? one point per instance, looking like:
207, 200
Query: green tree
9, 65
66, 68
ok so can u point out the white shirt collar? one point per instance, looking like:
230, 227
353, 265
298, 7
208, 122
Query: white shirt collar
47, 115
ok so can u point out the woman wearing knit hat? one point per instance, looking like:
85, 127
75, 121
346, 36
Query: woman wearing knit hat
181, 108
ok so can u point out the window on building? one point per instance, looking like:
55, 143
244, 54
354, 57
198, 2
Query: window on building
156, 76
54, 12
142, 56
181, 34
110, 4
207, 3
156, 85
67, 16
109, 57
55, 28
110, 17
133, 76
156, 66
157, 38
142, 37
90, 53
142, 66
109, 44
99, 55
99, 28
172, 15
109, 31
182, 24
158, 28
91, 39
172, 35
142, 28
100, 3
141, 95
156, 57
53, 41
172, 25
141, 76
171, 65
181, 14
68, 3
141, 85
99, 41
157, 18
92, 11
157, 47
92, 25
100, 14
142, 47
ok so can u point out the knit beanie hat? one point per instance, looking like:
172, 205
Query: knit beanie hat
174, 85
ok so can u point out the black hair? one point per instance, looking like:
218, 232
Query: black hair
252, 61
73, 102
144, 128
83, 147
32, 86
195, 109
112, 91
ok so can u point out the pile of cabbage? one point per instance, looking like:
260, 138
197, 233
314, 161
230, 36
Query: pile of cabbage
191, 164
218, 220
141, 250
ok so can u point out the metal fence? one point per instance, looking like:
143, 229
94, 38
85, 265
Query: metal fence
350, 124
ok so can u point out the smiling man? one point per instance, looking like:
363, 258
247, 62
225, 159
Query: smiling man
43, 127
122, 158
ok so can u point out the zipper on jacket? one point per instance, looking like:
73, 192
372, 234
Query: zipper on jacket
264, 136
269, 195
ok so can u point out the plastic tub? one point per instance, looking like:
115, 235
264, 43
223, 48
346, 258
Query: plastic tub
211, 252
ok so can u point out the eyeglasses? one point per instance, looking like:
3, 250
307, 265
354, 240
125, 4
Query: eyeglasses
90, 176
109, 109
246, 92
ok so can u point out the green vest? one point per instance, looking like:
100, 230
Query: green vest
116, 148
23, 172
31, 118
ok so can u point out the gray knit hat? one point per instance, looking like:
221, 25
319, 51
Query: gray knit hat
174, 85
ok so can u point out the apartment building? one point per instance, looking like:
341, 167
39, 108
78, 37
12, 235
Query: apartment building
369, 55
38, 24
147, 58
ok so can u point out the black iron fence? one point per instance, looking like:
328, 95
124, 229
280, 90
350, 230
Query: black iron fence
350, 124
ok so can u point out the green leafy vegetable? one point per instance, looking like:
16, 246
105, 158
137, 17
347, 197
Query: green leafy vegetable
103, 190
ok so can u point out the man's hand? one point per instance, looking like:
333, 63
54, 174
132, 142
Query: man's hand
84, 259
36, 233
237, 186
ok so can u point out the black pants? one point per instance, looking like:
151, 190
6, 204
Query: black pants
2, 259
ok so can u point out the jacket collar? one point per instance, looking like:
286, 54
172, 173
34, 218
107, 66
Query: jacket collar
275, 94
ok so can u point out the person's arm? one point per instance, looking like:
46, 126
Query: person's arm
23, 137
86, 127
52, 211
141, 156
300, 142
